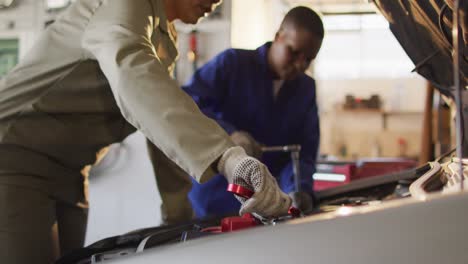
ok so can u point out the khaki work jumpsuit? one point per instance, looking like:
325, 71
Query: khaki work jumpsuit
100, 72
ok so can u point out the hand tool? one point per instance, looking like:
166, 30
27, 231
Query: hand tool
294, 150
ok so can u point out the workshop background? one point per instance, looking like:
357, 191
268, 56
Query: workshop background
371, 104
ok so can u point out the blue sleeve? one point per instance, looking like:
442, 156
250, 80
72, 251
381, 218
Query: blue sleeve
310, 139
208, 88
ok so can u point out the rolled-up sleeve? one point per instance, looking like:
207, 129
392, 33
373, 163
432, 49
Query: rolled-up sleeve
119, 38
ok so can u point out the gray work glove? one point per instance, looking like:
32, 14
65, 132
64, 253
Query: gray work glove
268, 200
302, 201
248, 143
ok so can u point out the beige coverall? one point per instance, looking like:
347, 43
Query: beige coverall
100, 72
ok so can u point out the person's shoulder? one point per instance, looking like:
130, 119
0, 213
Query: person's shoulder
306, 86
238, 53
306, 80
235, 56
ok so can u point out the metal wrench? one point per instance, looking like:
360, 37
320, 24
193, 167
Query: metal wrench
294, 150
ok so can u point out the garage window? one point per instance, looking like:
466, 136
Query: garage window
360, 47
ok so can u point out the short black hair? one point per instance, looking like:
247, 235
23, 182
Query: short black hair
305, 18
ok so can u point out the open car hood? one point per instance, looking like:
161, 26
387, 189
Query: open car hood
423, 29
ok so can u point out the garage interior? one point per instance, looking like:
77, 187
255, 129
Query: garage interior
378, 115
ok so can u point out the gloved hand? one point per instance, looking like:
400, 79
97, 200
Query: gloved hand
268, 200
248, 143
302, 201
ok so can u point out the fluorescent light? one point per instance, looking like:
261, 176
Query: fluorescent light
333, 177
56, 4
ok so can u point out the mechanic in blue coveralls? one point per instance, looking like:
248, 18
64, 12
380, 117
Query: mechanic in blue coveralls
263, 97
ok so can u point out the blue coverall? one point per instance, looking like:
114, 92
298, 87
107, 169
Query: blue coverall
236, 89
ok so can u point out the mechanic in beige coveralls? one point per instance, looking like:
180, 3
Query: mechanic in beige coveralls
99, 73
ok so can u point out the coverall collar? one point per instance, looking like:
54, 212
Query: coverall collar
263, 58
